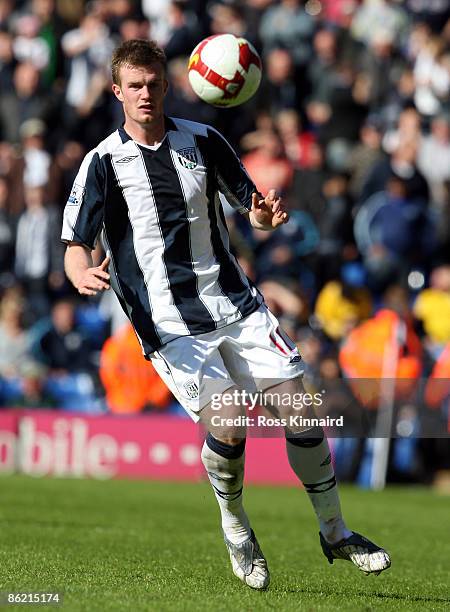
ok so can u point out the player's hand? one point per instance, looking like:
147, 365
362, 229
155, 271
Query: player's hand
95, 279
268, 212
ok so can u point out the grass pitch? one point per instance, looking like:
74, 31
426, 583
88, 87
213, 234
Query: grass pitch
134, 545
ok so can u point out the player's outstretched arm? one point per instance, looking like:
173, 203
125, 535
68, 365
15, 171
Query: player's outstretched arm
267, 213
84, 276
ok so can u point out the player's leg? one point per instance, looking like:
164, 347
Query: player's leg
269, 355
191, 381
223, 455
195, 380
310, 458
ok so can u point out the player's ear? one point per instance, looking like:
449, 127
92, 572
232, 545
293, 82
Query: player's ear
117, 91
166, 86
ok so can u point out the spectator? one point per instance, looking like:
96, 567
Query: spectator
401, 164
30, 165
394, 232
287, 25
296, 143
363, 356
343, 304
62, 347
381, 64
365, 155
52, 28
229, 19
306, 193
375, 17
323, 63
39, 254
28, 46
14, 343
338, 111
35, 157
184, 30
88, 49
157, 12
281, 85
335, 228
267, 163
25, 101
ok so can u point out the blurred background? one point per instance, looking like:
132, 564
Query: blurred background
351, 124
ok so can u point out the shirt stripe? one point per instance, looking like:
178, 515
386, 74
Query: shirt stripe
127, 276
174, 224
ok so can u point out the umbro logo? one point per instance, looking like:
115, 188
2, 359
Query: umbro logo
295, 359
126, 160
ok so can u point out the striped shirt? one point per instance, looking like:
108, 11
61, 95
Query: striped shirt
163, 226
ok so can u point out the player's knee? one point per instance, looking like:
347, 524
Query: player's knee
230, 441
226, 445
307, 438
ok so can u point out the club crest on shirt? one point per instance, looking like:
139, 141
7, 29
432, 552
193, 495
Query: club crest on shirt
187, 157
191, 388
76, 195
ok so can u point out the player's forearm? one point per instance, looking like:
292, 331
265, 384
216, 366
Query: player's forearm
76, 261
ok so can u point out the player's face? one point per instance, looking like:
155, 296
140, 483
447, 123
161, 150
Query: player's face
141, 91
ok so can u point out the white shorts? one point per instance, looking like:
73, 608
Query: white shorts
252, 354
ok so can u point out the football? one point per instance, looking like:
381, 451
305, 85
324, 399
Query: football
224, 70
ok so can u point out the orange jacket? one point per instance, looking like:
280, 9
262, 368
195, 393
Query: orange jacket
129, 380
372, 351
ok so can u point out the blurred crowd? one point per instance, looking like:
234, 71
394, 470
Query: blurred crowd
351, 124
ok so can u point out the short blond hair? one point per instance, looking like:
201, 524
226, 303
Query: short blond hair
136, 52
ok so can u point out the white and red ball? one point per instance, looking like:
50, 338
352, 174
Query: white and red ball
224, 70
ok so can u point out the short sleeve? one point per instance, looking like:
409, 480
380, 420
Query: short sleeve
83, 213
232, 179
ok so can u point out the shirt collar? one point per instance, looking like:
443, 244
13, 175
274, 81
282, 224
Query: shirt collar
169, 124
